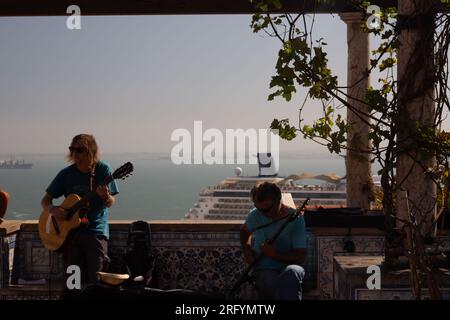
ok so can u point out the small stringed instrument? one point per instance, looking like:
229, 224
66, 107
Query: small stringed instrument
55, 233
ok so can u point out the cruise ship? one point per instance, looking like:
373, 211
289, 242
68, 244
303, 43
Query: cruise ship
230, 199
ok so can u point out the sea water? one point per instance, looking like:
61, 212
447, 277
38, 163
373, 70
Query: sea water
157, 190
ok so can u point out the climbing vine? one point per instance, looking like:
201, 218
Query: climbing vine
303, 62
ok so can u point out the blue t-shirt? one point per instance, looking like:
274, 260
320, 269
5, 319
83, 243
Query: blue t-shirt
72, 181
293, 236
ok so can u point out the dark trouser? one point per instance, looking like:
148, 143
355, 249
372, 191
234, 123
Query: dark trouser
280, 285
89, 252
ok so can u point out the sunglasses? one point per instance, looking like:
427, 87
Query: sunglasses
77, 149
265, 210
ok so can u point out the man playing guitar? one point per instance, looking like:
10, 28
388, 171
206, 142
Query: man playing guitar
89, 248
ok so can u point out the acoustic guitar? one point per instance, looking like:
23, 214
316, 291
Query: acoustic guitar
55, 233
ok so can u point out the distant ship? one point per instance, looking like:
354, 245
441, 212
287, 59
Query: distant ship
15, 164
230, 199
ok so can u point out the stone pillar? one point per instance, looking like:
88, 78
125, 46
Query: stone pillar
416, 106
359, 177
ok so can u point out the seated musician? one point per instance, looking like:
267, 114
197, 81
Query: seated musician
278, 273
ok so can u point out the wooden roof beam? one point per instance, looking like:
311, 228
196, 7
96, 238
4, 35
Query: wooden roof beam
167, 7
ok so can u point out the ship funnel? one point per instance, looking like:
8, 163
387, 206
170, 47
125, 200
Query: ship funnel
267, 165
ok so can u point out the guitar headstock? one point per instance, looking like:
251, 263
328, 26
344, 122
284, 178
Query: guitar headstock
124, 171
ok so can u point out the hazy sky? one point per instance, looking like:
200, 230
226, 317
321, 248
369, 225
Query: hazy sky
132, 80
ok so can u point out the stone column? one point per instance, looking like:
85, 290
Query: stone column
416, 106
359, 177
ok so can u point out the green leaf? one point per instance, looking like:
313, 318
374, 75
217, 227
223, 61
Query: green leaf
285, 131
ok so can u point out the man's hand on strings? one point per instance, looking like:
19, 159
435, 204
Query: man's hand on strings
58, 212
103, 193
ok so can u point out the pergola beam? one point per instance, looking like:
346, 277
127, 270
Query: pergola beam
169, 7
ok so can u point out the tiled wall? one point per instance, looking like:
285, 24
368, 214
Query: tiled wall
350, 280
193, 258
329, 246
32, 261
7, 245
395, 294
206, 261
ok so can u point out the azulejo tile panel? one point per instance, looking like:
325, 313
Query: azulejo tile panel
329, 246
203, 261
209, 269
6, 259
209, 261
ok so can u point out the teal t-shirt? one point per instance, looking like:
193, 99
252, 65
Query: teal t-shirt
72, 181
293, 236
